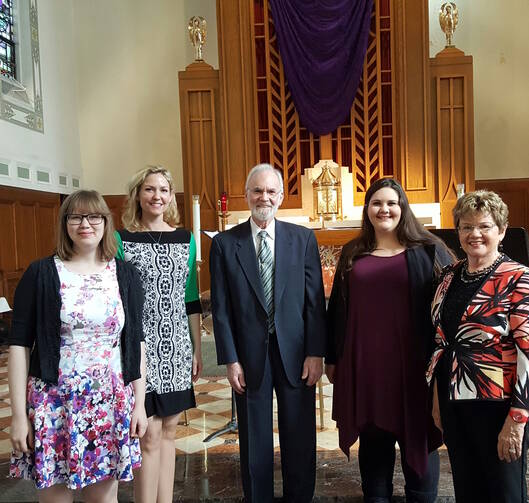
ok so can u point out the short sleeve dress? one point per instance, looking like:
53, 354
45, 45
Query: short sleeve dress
166, 262
82, 424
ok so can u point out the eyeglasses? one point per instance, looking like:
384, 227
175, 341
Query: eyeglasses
92, 218
258, 192
482, 228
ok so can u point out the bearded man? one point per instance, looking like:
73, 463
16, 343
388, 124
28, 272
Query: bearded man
268, 311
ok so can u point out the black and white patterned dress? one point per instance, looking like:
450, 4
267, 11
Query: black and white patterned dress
166, 263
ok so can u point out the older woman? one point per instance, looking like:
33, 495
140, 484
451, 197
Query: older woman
480, 364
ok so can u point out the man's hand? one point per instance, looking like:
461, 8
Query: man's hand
329, 372
236, 377
312, 369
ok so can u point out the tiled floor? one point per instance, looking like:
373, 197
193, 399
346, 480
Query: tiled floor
210, 471
213, 411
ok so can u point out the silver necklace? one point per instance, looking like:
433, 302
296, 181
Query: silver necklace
470, 277
155, 241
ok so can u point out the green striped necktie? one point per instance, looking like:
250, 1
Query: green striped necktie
266, 271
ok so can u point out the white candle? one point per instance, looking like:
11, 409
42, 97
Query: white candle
196, 224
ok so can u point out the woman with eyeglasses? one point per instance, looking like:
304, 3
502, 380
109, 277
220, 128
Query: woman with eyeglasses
76, 362
480, 366
165, 257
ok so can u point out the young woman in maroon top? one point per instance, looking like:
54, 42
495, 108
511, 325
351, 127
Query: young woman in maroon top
380, 338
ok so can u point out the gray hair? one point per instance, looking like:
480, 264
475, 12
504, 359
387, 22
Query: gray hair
264, 167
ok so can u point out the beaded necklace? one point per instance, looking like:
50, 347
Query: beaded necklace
470, 277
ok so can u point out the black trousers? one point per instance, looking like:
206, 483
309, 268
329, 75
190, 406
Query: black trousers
471, 430
376, 457
296, 413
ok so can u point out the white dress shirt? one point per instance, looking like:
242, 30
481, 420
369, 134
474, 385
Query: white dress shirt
270, 238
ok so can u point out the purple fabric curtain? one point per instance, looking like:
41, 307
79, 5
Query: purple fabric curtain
322, 45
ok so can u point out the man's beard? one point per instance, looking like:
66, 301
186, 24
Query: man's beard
264, 214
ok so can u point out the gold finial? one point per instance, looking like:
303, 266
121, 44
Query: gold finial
197, 35
448, 18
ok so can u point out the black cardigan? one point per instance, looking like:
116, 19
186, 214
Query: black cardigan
36, 319
424, 264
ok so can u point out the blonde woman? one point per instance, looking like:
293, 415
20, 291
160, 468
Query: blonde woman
76, 360
165, 258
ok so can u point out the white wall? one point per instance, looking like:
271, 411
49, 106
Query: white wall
495, 33
129, 53
57, 150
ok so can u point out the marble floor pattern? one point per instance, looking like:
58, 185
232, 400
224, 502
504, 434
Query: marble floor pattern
210, 471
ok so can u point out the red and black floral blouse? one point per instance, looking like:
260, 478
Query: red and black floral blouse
490, 352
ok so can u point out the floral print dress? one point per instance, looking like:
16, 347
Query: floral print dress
82, 425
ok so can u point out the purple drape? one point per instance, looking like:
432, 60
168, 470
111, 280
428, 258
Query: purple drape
322, 45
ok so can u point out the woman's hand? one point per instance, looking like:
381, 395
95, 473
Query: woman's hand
197, 366
329, 372
436, 412
21, 434
138, 421
21, 431
510, 440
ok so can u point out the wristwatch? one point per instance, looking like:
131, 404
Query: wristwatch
518, 417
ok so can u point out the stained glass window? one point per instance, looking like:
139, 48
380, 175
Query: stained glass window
7, 40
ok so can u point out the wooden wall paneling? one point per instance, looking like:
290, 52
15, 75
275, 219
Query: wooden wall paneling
29, 220
8, 249
201, 149
238, 119
26, 232
452, 136
515, 194
116, 205
412, 98
46, 219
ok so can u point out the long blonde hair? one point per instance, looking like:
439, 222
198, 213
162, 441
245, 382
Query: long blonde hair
131, 217
89, 201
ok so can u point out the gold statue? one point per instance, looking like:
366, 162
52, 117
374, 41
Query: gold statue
448, 18
197, 35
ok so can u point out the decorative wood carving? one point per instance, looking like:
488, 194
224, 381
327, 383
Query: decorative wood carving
364, 142
453, 138
412, 153
201, 152
236, 63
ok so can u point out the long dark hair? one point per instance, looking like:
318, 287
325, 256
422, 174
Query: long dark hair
410, 232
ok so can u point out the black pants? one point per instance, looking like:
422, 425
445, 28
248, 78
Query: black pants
296, 415
376, 456
471, 430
